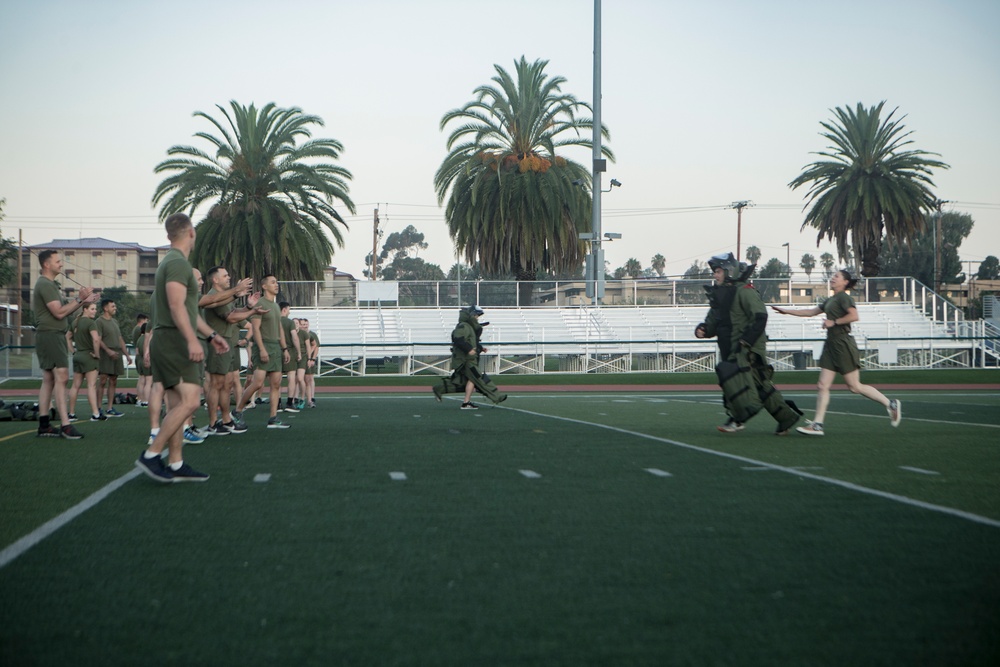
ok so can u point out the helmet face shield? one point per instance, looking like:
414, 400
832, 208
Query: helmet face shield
727, 263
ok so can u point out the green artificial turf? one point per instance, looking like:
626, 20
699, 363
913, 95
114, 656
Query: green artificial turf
726, 561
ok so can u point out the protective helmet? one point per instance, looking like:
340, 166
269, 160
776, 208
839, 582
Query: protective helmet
727, 263
474, 310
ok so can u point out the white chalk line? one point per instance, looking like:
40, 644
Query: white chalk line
34, 537
912, 502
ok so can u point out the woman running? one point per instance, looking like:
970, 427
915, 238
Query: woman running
840, 353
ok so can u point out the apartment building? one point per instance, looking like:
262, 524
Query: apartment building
97, 262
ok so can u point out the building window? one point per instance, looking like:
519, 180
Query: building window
96, 254
96, 273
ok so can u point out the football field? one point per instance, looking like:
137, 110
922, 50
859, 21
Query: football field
559, 528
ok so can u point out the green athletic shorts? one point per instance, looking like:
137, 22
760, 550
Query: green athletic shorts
234, 358
840, 355
273, 364
292, 362
52, 350
83, 363
219, 364
168, 355
111, 366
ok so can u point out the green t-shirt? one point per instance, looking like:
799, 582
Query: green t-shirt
303, 337
216, 318
269, 322
135, 335
315, 341
81, 334
47, 291
174, 269
288, 326
111, 333
836, 307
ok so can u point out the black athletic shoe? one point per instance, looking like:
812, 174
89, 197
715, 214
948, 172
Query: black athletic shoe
48, 432
218, 429
99, 417
155, 468
187, 474
290, 407
274, 423
469, 406
236, 426
70, 433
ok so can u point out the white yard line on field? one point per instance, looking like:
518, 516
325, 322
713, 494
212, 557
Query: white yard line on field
912, 502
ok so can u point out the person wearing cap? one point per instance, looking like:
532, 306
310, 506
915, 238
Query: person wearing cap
737, 317
465, 351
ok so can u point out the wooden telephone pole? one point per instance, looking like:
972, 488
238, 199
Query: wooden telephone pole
739, 206
375, 248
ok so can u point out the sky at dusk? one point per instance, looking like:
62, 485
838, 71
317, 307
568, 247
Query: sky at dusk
707, 103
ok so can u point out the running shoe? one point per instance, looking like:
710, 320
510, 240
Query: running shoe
731, 426
290, 407
235, 426
469, 406
218, 429
811, 428
72, 417
191, 436
895, 411
114, 413
99, 417
187, 474
155, 468
438, 393
274, 423
48, 432
69, 432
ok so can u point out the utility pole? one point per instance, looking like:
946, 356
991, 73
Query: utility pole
739, 206
20, 286
375, 248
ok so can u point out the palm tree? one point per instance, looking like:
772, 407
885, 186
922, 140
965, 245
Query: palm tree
808, 263
753, 254
632, 267
826, 261
512, 205
271, 198
868, 185
658, 264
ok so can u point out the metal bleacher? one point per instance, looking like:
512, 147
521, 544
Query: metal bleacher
610, 339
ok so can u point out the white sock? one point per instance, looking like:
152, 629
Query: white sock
176, 466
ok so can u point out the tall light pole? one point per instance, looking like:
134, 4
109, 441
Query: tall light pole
596, 257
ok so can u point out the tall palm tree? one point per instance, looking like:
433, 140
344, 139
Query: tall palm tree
753, 254
659, 264
808, 263
633, 268
868, 184
270, 189
826, 260
513, 206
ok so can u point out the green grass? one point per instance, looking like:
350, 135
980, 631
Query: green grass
468, 562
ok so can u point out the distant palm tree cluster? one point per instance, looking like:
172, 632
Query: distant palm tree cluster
514, 205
